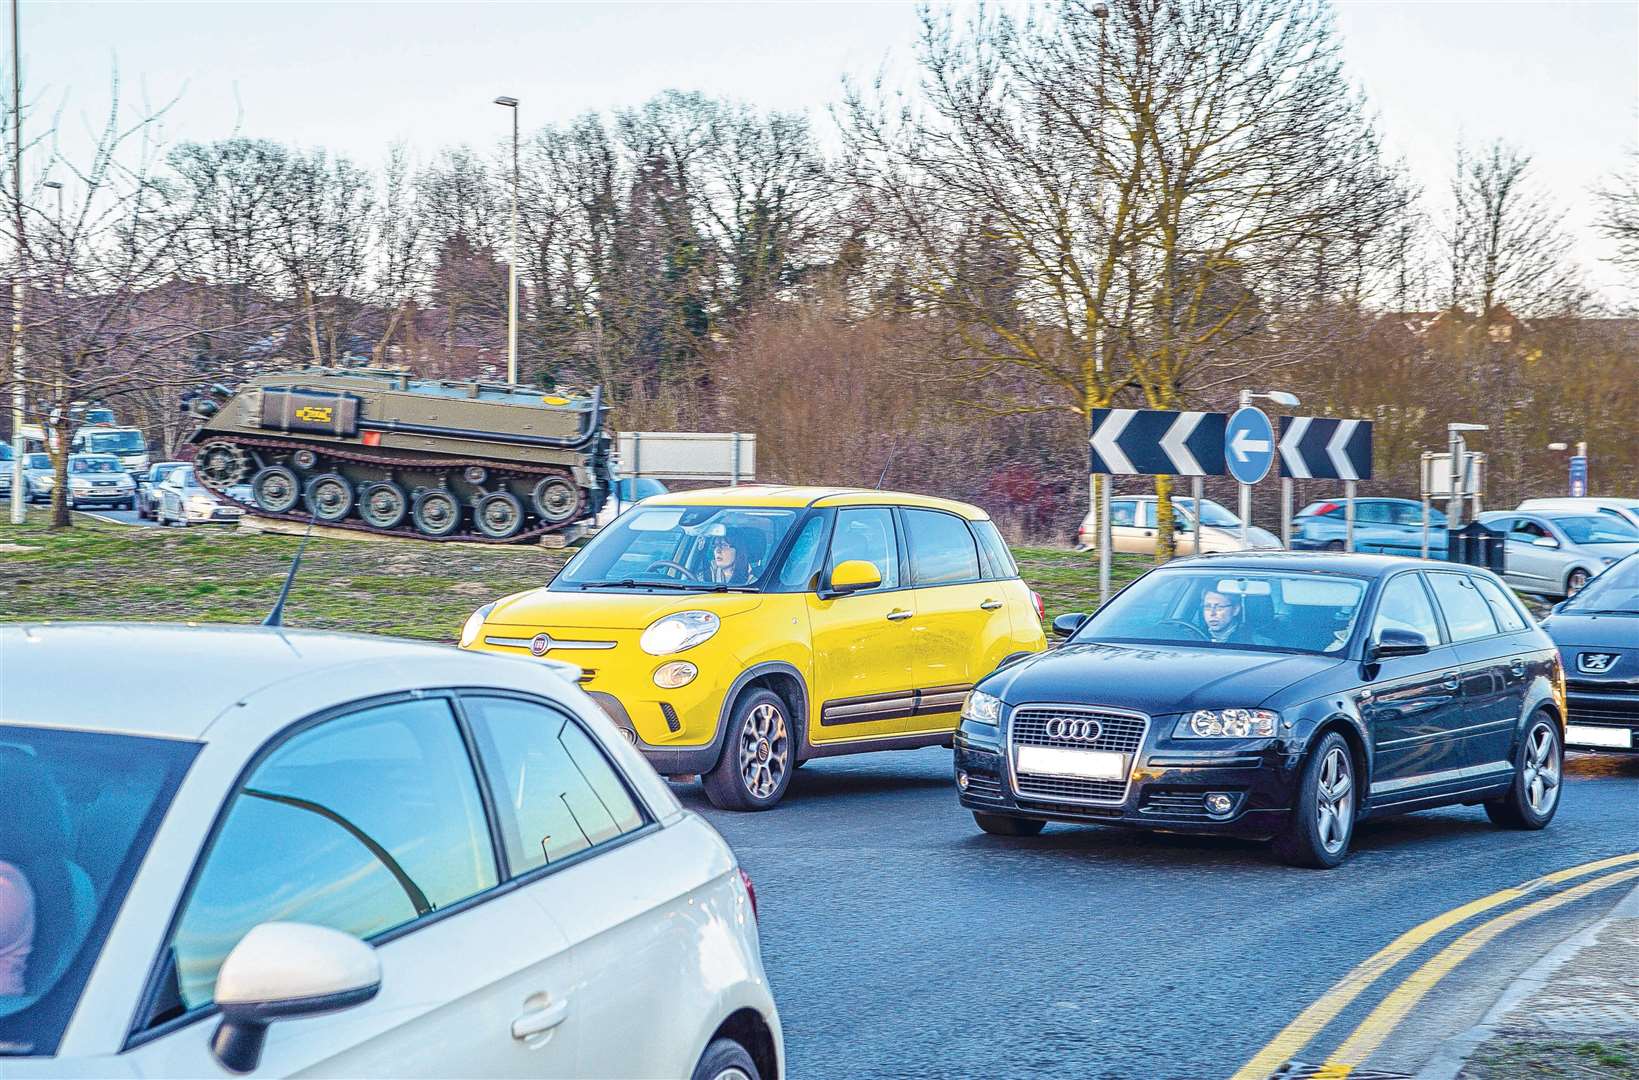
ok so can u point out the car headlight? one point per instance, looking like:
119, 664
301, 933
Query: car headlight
475, 623
1227, 724
79, 485
982, 708
677, 632
200, 502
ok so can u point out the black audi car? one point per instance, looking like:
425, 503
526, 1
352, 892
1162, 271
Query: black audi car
1597, 632
1280, 695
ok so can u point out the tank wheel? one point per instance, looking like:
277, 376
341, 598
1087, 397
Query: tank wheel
475, 474
384, 505
304, 459
276, 489
556, 500
436, 513
329, 496
222, 464
499, 515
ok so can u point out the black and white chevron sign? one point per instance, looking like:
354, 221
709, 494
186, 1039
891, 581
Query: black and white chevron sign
1311, 446
1152, 442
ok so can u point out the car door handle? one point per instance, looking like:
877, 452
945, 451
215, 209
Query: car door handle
991, 605
537, 1021
1517, 666
898, 613
1451, 681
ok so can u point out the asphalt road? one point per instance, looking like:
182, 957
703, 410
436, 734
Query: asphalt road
900, 941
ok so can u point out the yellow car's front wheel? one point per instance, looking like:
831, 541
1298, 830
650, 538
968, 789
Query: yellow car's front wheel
759, 755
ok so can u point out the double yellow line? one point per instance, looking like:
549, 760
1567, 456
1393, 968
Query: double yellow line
1381, 1022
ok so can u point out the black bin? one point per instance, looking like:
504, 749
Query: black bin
1477, 545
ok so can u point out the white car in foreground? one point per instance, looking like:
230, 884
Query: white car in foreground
351, 856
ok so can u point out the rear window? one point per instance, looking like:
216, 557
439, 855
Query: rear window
997, 555
80, 810
942, 548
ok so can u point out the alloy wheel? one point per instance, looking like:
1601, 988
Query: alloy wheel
765, 751
733, 1072
1334, 800
1541, 769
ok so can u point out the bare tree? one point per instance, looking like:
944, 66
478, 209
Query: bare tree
1619, 204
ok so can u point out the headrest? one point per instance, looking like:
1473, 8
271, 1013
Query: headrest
35, 818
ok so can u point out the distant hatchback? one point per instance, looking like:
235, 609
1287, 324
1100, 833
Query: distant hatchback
455, 855
1388, 526
1555, 554
99, 480
182, 500
148, 487
1133, 527
1283, 696
1616, 506
1597, 632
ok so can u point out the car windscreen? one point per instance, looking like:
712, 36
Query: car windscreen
681, 547
1597, 529
1232, 609
37, 461
5, 452
158, 473
80, 809
1614, 592
114, 442
94, 465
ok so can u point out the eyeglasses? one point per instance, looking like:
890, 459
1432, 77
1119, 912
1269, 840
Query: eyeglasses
1210, 606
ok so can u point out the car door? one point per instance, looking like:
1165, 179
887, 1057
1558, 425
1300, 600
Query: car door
864, 682
1513, 656
962, 623
370, 822
1126, 528
1373, 526
1528, 563
636, 902
1409, 702
1480, 739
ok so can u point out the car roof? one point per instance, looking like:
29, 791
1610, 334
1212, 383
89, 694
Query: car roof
778, 495
1585, 502
172, 680
1356, 564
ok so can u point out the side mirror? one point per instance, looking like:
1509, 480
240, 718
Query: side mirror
1396, 642
1066, 625
1545, 542
854, 575
282, 970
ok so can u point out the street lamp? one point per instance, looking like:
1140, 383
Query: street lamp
512, 252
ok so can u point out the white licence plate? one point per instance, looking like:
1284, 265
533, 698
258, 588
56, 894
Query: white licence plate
1086, 764
1582, 735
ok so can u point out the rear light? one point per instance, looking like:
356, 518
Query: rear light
1041, 609
751, 891
1326, 508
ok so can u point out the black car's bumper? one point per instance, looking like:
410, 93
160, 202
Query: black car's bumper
1605, 719
1167, 786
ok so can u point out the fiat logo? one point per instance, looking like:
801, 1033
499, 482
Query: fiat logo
540, 643
1074, 730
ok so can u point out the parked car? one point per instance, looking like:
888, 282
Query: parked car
456, 855
1555, 554
1133, 519
99, 480
1388, 526
7, 459
1282, 696
735, 633
40, 477
183, 500
1626, 509
1597, 632
148, 484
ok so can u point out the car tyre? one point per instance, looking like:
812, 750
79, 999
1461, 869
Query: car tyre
1334, 545
726, 1059
1004, 825
755, 768
1323, 819
1574, 581
1533, 797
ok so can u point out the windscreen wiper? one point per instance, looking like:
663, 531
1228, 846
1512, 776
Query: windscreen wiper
633, 583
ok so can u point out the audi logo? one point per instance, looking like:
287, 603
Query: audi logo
540, 644
1074, 730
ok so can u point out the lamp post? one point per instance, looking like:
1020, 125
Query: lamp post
18, 394
512, 252
1290, 401
1101, 515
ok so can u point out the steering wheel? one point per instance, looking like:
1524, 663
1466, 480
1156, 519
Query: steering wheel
1200, 635
666, 564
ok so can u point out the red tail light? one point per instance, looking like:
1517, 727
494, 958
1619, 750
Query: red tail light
1041, 609
751, 891
1326, 508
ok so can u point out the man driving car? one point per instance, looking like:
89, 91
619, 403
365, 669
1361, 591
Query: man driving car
1222, 616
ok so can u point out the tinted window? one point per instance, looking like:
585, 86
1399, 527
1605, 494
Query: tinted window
1411, 514
1372, 513
867, 533
1526, 530
1121, 512
942, 548
997, 555
77, 811
1233, 609
556, 792
363, 823
1405, 606
1467, 614
1597, 529
1507, 613
802, 562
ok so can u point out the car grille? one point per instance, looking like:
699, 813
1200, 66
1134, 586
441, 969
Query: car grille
1603, 712
982, 786
1120, 732
1175, 804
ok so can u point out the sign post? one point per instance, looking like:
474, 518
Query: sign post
1249, 450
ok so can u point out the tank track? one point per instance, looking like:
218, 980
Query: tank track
468, 534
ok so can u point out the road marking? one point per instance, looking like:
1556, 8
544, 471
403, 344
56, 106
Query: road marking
1393, 1009
1312, 1020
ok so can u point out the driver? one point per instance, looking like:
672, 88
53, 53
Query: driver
1222, 615
727, 563
16, 928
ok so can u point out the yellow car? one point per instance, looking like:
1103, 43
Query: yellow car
735, 633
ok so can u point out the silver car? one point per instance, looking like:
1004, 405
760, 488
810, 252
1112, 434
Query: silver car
1616, 506
99, 480
183, 500
1555, 554
38, 477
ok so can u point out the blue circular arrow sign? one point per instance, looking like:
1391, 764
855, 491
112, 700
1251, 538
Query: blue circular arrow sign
1249, 445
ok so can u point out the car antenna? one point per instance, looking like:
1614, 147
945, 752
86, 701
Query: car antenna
886, 466
276, 617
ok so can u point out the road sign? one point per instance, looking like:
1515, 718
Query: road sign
1579, 476
1249, 445
688, 455
1312, 446
1437, 475
1151, 442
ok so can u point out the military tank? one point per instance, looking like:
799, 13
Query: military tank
377, 450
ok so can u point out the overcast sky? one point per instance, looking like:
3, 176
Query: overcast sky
1560, 79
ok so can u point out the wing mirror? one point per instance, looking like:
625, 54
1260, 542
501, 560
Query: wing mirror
853, 575
1396, 642
283, 970
1545, 542
1066, 625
